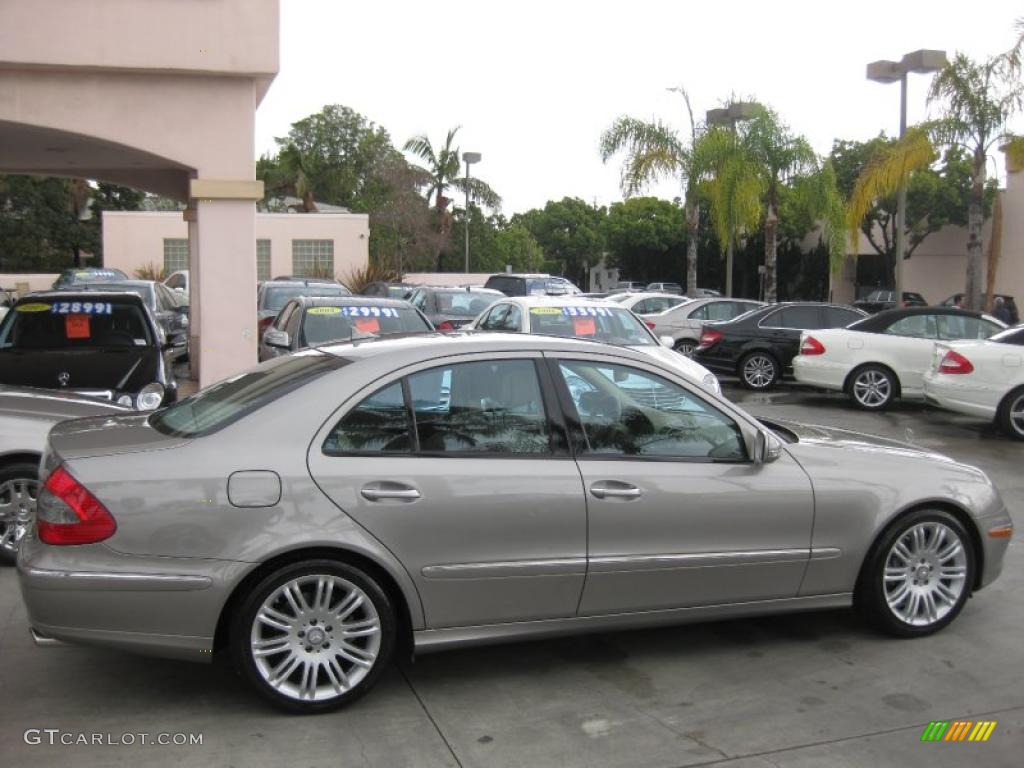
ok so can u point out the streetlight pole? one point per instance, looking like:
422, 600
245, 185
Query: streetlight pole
729, 116
885, 71
469, 158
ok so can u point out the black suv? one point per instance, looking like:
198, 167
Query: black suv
530, 285
759, 346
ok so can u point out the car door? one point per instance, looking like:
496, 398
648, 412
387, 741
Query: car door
480, 500
494, 320
906, 347
782, 329
678, 513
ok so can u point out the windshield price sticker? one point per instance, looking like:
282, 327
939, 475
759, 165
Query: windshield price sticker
32, 307
77, 326
369, 311
323, 311
82, 308
586, 311
545, 311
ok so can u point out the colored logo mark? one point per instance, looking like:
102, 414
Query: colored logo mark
958, 730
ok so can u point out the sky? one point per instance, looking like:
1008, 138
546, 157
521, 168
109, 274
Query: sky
533, 84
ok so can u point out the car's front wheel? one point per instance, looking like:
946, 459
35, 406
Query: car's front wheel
759, 370
314, 635
1011, 414
919, 574
686, 347
19, 491
872, 388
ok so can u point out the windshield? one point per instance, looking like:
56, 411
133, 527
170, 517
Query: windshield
325, 324
276, 296
75, 324
229, 400
464, 303
880, 296
612, 325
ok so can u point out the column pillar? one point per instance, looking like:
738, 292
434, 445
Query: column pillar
189, 215
225, 276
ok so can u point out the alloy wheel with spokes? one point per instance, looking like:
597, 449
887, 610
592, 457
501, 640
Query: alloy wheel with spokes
759, 370
315, 635
19, 491
1011, 414
872, 388
686, 347
920, 574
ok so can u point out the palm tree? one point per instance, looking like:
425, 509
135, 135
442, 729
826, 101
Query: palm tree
978, 99
286, 174
441, 171
655, 151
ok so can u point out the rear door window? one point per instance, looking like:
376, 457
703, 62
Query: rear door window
914, 326
837, 317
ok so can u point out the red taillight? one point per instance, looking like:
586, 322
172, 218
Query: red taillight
954, 362
66, 513
811, 346
263, 324
707, 338
650, 325
445, 326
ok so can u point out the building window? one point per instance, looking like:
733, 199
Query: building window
175, 254
313, 258
262, 260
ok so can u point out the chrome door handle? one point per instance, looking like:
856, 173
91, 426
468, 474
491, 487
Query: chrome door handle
615, 490
376, 494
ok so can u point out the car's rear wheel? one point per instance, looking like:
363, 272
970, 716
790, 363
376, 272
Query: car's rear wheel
314, 635
919, 574
759, 370
1011, 414
19, 491
686, 347
872, 388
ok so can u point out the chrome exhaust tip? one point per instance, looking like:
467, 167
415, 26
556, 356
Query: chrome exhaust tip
43, 641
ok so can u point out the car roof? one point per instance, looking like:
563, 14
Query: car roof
520, 274
105, 284
63, 295
888, 316
299, 283
408, 348
563, 301
463, 288
349, 301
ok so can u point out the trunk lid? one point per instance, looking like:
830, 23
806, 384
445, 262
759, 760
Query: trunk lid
108, 435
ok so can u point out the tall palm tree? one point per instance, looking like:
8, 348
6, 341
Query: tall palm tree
977, 101
655, 151
286, 174
441, 171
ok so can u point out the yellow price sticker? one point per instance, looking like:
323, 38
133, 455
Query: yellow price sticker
33, 307
545, 311
323, 311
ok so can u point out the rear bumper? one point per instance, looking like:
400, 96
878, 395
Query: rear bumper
819, 373
954, 393
92, 595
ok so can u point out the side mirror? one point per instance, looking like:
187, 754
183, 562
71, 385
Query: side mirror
275, 338
667, 341
767, 447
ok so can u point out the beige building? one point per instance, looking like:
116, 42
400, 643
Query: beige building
161, 96
285, 243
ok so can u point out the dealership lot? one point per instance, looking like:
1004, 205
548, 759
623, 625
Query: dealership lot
789, 691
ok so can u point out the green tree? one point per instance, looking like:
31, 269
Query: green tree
868, 175
569, 232
977, 100
516, 247
440, 170
646, 238
655, 151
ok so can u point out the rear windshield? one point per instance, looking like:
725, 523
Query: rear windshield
463, 303
228, 401
326, 324
612, 325
1013, 335
79, 322
145, 291
276, 296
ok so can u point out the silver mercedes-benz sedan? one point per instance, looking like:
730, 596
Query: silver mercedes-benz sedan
315, 513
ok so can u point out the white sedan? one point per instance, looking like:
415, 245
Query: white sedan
885, 356
981, 378
594, 319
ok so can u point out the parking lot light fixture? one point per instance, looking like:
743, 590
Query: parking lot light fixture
885, 71
469, 158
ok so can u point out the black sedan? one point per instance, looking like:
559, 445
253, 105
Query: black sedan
759, 346
71, 277
451, 308
273, 295
309, 321
104, 345
880, 300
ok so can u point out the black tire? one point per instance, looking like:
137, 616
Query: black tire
1010, 416
686, 347
759, 370
872, 388
872, 598
16, 510
300, 644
